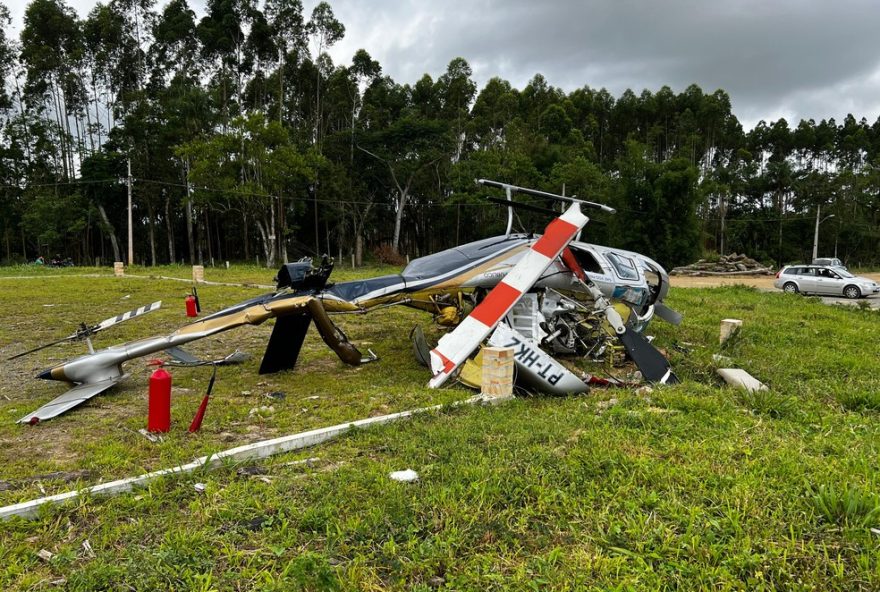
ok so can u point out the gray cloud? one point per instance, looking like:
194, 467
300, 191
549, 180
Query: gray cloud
791, 58
785, 58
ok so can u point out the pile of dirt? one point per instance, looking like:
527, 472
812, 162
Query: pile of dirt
732, 264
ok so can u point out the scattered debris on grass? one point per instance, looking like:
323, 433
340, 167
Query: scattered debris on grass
65, 476
405, 476
740, 378
45, 555
154, 438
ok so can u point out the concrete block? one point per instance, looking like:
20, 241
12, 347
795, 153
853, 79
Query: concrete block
118, 268
729, 328
742, 379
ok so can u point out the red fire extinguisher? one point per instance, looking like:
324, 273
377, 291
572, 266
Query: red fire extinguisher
190, 301
159, 412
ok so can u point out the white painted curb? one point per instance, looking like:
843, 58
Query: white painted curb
30, 509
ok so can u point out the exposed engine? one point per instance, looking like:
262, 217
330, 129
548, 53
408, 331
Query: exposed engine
560, 324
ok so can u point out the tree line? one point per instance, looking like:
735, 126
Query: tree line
242, 140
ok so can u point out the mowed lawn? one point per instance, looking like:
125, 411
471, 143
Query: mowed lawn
694, 486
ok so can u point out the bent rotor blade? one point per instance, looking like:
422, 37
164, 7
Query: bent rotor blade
455, 347
75, 396
653, 366
107, 323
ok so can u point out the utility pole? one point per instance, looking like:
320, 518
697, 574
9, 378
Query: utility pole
816, 235
130, 229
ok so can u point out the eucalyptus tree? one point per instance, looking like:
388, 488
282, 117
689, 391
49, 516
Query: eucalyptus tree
245, 168
456, 91
288, 34
407, 148
184, 106
223, 34
51, 42
7, 57
324, 30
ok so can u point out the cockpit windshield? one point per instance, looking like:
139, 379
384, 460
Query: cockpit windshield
623, 266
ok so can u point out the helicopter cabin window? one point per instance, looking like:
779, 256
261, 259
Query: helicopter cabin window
587, 261
624, 266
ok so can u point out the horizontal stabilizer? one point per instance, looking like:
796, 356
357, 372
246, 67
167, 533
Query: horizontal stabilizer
75, 396
182, 356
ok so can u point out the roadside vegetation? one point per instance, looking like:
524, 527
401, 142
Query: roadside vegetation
694, 486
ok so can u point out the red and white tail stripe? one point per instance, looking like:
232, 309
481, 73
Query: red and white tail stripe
454, 348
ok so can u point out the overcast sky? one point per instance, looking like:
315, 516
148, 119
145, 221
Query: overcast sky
776, 58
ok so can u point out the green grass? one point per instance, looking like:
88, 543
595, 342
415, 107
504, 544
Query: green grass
696, 486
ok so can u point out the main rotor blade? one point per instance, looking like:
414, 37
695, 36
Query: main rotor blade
453, 348
523, 206
44, 346
536, 193
107, 323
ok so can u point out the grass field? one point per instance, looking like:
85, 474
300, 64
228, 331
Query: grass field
695, 486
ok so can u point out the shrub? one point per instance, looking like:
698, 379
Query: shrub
384, 253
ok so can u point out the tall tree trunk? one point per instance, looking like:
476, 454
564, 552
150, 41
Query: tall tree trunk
244, 233
152, 227
398, 217
219, 242
208, 239
189, 218
264, 228
168, 229
282, 231
117, 256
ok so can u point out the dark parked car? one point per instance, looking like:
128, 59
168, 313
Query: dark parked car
829, 261
826, 280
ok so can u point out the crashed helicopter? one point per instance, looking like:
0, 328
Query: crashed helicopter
542, 294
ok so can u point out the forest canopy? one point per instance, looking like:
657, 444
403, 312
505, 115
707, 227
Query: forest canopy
244, 141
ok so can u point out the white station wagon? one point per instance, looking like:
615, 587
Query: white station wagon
825, 280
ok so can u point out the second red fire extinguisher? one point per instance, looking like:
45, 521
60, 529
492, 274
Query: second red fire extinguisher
159, 406
190, 302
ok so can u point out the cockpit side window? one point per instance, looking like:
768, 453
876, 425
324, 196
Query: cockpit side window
587, 261
624, 266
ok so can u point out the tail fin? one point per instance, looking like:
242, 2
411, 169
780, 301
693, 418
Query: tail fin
285, 343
